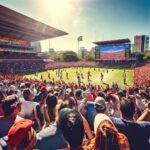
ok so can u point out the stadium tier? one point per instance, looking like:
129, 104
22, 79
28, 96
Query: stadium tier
17, 31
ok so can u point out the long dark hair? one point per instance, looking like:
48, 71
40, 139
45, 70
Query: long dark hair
106, 137
51, 102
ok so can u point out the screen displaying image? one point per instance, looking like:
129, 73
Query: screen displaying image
113, 52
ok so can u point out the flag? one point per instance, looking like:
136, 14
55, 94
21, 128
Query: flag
80, 38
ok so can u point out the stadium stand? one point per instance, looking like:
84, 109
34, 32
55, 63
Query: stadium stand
55, 115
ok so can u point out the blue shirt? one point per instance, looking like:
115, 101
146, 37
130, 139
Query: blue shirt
50, 138
90, 114
138, 134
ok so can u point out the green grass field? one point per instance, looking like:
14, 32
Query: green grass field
113, 75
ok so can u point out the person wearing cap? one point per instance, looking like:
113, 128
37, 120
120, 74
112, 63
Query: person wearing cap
11, 107
22, 136
100, 107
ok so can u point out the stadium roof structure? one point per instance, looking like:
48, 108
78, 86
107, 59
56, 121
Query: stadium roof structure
119, 41
18, 26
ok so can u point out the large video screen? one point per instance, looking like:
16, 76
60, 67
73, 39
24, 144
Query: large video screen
113, 51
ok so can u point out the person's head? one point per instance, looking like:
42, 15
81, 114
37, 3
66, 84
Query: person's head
121, 93
71, 94
27, 84
21, 135
88, 95
136, 90
43, 89
40, 98
72, 103
22, 86
101, 94
127, 108
71, 124
106, 137
51, 102
100, 105
78, 94
28, 95
11, 90
11, 105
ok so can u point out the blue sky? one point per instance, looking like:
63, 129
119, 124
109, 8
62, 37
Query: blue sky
93, 19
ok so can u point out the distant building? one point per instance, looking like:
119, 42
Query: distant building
37, 46
83, 52
141, 43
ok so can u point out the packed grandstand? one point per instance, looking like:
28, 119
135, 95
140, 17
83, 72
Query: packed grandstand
48, 114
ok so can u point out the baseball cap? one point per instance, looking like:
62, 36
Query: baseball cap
100, 104
43, 89
19, 131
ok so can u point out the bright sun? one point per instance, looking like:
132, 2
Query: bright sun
58, 7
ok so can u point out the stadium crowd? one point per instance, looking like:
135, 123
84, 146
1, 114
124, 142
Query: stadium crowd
141, 75
56, 65
113, 56
23, 66
57, 116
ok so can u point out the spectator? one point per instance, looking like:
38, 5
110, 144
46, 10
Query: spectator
50, 137
108, 138
115, 104
22, 136
11, 107
71, 124
100, 107
29, 108
146, 115
78, 95
137, 133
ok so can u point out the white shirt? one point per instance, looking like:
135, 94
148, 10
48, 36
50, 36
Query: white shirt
27, 108
98, 119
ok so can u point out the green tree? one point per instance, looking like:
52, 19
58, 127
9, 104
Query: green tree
69, 56
146, 55
89, 58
